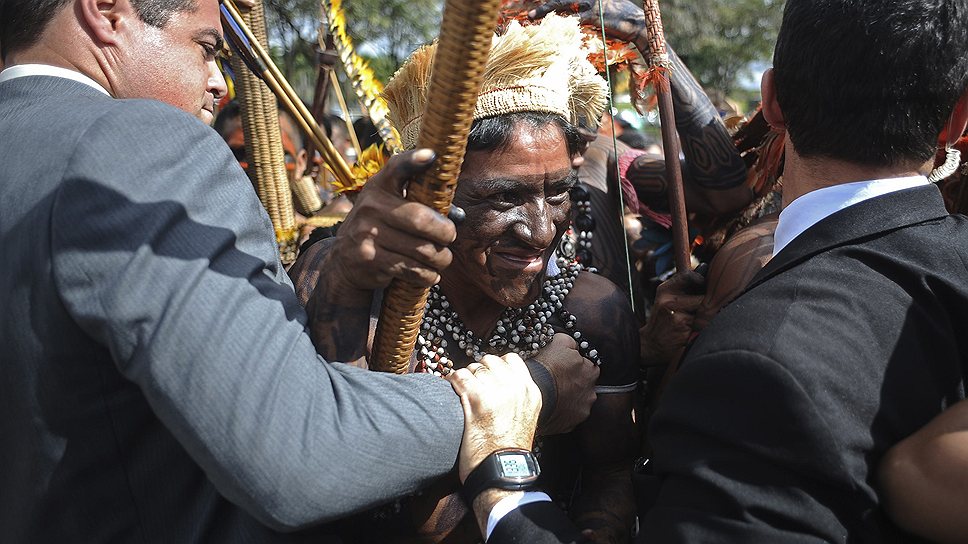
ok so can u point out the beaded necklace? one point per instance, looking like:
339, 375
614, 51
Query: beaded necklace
520, 330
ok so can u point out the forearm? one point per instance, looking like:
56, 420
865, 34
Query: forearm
711, 158
339, 317
339, 313
608, 443
924, 478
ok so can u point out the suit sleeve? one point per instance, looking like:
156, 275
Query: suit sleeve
165, 256
536, 523
742, 454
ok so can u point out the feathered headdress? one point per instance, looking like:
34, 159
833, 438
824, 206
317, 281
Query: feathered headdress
538, 67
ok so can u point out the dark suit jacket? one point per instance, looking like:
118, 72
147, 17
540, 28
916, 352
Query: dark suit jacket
157, 382
851, 338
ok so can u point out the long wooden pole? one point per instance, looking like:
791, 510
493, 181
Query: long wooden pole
659, 63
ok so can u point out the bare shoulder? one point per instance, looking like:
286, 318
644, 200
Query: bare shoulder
735, 264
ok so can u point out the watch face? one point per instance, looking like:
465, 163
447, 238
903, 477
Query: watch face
515, 465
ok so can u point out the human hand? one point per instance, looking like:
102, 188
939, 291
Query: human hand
671, 319
385, 236
624, 20
501, 404
574, 378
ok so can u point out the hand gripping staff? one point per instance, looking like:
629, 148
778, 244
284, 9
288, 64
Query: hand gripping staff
462, 51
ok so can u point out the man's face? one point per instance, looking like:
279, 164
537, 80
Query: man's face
176, 63
517, 206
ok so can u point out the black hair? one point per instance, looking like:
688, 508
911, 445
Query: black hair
23, 21
229, 112
366, 132
494, 133
636, 139
868, 81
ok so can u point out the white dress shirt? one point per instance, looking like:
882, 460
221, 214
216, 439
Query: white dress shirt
809, 209
24, 70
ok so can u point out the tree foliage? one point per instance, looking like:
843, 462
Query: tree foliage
719, 39
385, 32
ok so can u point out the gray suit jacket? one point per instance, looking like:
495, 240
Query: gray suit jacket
157, 383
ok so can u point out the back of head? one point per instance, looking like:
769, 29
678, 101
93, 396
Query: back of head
868, 81
22, 22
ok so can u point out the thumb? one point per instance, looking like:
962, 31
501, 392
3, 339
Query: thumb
402, 168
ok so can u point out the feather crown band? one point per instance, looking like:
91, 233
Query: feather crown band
540, 67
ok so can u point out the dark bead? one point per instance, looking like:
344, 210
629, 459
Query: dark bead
583, 256
585, 222
579, 192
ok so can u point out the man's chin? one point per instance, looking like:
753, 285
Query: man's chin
205, 116
525, 290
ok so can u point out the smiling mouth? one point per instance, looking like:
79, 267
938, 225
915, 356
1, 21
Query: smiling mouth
533, 262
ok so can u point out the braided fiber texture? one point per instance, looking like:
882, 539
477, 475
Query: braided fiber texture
263, 143
462, 52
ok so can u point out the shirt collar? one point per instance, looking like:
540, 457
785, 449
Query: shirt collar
24, 70
811, 208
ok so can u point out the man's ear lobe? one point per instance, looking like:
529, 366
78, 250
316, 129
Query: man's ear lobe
958, 121
771, 108
101, 17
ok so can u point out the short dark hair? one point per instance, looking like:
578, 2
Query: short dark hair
227, 114
23, 21
868, 81
494, 133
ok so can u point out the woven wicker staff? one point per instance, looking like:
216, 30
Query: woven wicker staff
659, 66
465, 41
270, 73
263, 143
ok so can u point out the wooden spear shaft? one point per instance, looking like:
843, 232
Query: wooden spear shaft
291, 100
659, 63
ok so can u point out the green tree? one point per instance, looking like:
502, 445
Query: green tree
392, 29
384, 31
719, 39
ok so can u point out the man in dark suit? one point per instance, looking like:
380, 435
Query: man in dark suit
852, 337
157, 379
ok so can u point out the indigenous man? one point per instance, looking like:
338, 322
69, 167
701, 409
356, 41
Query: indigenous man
504, 292
158, 383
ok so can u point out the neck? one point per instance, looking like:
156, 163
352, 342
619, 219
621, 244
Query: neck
68, 52
478, 311
803, 175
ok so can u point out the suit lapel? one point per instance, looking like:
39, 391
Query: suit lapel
865, 219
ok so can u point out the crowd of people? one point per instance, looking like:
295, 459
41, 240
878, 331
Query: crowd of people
166, 379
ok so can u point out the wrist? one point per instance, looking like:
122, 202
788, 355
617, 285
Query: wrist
339, 286
485, 503
546, 383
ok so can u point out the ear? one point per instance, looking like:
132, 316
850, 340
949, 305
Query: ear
301, 161
958, 121
771, 108
102, 18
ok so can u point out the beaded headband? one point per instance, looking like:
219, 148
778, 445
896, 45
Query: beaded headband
540, 67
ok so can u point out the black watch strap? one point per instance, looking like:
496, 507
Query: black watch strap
503, 469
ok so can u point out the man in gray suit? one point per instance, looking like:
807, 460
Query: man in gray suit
157, 380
